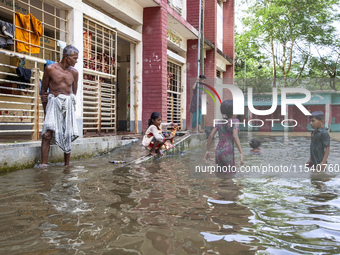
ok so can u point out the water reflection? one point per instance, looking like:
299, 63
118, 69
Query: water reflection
154, 207
177, 215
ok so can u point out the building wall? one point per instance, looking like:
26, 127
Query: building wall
136, 87
146, 29
192, 54
210, 60
210, 20
76, 10
327, 102
210, 33
229, 35
154, 63
191, 76
149, 66
193, 12
76, 31
335, 118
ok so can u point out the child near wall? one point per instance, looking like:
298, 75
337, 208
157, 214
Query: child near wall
154, 139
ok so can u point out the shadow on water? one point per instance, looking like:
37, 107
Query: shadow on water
95, 207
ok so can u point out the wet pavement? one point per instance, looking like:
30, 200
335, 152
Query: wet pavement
155, 207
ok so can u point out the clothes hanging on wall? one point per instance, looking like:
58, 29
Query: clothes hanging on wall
41, 75
24, 24
6, 33
21, 62
61, 44
24, 75
48, 62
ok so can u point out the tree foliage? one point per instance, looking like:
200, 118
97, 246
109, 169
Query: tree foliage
283, 33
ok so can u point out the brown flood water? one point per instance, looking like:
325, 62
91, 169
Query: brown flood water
95, 207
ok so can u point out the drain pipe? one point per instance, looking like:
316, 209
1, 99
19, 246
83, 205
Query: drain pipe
198, 61
136, 104
135, 77
202, 40
202, 58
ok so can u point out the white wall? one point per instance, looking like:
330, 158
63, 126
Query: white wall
136, 66
76, 10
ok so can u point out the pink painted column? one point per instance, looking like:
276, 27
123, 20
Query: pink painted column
154, 63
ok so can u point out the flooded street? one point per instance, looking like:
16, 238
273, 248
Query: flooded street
96, 207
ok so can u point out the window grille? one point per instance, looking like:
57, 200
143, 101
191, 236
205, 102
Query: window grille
99, 94
174, 94
176, 5
21, 113
218, 74
53, 27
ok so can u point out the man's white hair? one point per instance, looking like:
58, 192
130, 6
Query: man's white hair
70, 50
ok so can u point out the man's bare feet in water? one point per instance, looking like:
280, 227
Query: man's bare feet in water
43, 166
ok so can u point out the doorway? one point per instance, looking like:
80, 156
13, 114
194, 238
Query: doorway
123, 85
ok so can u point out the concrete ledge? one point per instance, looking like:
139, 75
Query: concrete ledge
15, 156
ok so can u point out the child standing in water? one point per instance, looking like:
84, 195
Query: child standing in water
153, 138
255, 144
228, 136
320, 142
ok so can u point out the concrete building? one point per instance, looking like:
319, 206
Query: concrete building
295, 120
109, 38
170, 53
136, 57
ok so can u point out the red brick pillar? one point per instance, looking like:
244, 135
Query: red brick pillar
210, 73
229, 35
210, 33
193, 12
192, 54
154, 63
210, 20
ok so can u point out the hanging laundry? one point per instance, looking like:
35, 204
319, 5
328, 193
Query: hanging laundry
6, 33
24, 76
48, 62
21, 62
41, 76
61, 44
28, 29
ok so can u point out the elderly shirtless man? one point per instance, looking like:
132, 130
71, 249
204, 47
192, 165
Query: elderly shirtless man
59, 105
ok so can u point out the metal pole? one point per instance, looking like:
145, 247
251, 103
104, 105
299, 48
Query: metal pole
198, 61
202, 39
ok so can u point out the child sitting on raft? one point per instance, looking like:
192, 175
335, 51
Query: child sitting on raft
154, 139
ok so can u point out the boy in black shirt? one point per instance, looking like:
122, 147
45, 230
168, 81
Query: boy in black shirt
320, 141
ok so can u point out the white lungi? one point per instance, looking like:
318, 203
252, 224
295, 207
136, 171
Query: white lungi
60, 118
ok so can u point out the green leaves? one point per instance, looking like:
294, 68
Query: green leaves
283, 32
